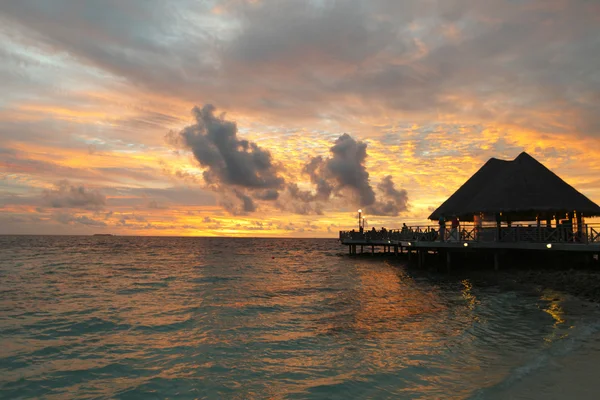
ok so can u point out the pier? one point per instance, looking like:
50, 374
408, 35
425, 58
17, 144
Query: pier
507, 208
417, 242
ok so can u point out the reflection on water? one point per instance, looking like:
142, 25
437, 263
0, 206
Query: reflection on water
551, 304
253, 318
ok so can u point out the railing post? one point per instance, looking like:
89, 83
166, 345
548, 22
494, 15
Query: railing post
587, 237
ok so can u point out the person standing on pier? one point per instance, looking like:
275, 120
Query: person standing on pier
442, 223
454, 234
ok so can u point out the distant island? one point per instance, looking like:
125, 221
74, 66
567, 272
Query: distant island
103, 234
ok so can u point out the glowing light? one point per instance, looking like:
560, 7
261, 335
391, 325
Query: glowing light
549, 245
466, 244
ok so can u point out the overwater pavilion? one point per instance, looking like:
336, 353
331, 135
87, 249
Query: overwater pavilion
524, 200
506, 205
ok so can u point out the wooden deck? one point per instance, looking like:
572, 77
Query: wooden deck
470, 238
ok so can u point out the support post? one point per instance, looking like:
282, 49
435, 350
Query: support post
580, 227
448, 261
372, 249
361, 249
350, 249
396, 250
496, 261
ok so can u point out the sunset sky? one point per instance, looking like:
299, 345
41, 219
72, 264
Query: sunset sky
282, 118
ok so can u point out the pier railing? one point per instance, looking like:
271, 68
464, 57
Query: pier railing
585, 234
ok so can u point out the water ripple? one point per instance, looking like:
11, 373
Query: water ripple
127, 318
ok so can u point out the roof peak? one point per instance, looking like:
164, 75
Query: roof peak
525, 156
522, 156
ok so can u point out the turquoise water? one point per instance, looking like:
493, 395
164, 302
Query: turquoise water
133, 317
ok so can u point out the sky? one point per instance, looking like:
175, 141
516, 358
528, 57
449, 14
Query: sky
283, 118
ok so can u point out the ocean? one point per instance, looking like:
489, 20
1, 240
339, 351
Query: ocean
223, 318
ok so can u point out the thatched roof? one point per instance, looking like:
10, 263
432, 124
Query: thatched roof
522, 187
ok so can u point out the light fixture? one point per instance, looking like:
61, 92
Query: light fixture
549, 245
409, 243
359, 211
466, 244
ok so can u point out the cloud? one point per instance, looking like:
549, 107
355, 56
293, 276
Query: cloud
65, 195
393, 201
228, 159
345, 169
343, 175
244, 173
267, 195
65, 218
302, 195
238, 203
314, 170
240, 169
511, 62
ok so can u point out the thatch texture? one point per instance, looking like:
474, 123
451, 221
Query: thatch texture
522, 188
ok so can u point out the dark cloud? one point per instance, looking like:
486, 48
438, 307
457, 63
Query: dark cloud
268, 195
228, 159
314, 170
239, 169
237, 203
345, 172
65, 195
345, 169
392, 201
248, 205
